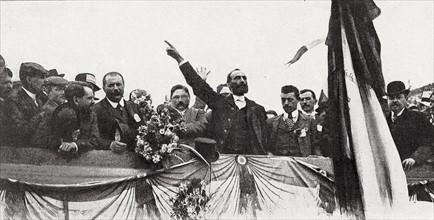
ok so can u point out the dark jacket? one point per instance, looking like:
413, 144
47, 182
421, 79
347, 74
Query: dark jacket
24, 117
110, 120
299, 145
224, 112
413, 135
4, 125
47, 135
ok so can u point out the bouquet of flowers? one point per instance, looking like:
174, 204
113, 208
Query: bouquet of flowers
190, 203
144, 101
158, 136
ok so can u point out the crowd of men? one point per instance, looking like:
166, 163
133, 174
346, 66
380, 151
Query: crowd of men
49, 111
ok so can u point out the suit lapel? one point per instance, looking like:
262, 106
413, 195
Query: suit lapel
112, 111
187, 115
230, 100
29, 100
300, 121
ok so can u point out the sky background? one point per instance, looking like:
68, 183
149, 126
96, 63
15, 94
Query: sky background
256, 36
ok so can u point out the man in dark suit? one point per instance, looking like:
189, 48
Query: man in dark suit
292, 133
73, 126
237, 123
118, 119
411, 130
194, 119
24, 106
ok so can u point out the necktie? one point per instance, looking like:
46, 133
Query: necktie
289, 122
394, 117
119, 109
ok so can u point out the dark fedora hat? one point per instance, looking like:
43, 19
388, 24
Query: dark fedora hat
396, 88
206, 148
53, 72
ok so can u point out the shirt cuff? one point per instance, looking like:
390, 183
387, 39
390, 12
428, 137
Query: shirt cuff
76, 147
182, 62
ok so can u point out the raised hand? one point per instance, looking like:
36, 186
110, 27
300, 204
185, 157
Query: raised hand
171, 51
203, 73
408, 163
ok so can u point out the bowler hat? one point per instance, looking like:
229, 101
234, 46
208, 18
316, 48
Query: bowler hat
88, 77
32, 69
53, 72
206, 148
396, 88
55, 80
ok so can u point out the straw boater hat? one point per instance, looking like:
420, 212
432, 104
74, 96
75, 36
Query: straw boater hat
88, 77
396, 88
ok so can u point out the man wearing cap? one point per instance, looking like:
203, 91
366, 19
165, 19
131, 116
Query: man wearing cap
237, 123
73, 126
24, 108
292, 133
194, 119
43, 95
54, 87
411, 131
118, 119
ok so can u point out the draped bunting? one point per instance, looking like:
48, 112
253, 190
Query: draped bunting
282, 185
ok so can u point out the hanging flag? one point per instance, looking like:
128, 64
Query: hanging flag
304, 49
368, 173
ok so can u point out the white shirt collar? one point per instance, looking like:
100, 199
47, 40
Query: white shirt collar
294, 115
32, 95
312, 114
239, 98
114, 104
399, 113
181, 112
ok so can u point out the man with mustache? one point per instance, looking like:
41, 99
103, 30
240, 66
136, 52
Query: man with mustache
194, 119
237, 123
307, 102
292, 133
118, 119
73, 126
411, 130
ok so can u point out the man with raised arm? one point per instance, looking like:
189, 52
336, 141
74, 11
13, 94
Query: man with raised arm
237, 123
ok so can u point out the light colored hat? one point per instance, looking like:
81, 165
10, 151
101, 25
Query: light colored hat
55, 80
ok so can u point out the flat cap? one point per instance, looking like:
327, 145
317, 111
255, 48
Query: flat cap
32, 69
55, 80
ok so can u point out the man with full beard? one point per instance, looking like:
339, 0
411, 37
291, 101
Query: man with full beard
237, 123
411, 130
118, 119
73, 126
